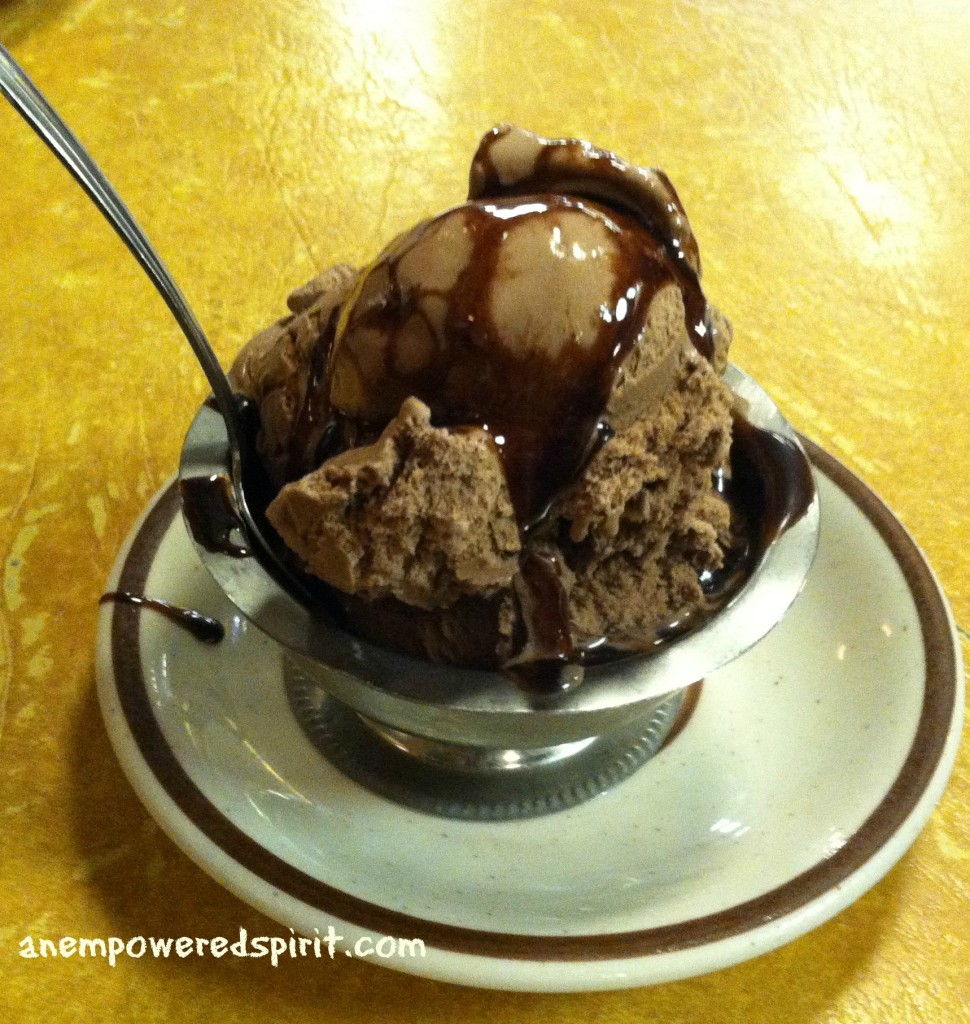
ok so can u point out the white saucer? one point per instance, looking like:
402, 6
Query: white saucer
807, 769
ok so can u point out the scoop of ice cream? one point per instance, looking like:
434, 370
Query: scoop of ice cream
516, 407
514, 315
394, 516
511, 161
283, 369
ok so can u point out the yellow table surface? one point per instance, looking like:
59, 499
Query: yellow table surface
822, 149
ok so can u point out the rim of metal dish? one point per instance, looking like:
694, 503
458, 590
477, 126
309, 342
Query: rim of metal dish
473, 706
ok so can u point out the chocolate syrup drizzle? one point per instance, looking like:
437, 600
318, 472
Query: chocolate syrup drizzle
314, 429
575, 168
768, 487
211, 514
544, 435
202, 627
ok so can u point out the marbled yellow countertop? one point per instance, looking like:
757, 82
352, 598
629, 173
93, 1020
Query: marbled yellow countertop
822, 149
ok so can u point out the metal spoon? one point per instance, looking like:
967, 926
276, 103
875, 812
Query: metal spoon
25, 97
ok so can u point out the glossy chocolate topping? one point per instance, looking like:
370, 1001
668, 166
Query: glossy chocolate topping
202, 627
771, 483
314, 427
511, 161
517, 314
211, 514
512, 315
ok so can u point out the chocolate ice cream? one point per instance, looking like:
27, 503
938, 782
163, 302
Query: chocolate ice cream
500, 442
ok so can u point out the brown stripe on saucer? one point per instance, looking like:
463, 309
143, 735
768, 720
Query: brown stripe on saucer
885, 820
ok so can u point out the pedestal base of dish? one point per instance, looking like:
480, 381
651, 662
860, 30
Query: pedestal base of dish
472, 782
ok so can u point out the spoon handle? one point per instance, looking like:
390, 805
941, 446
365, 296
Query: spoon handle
41, 116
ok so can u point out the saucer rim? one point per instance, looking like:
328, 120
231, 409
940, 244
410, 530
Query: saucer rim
868, 854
